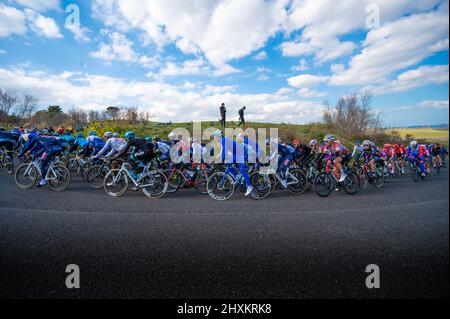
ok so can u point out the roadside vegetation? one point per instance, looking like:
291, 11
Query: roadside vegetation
351, 118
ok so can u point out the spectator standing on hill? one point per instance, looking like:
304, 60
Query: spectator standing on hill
241, 117
223, 115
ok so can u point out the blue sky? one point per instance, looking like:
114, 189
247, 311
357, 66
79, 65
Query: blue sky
179, 59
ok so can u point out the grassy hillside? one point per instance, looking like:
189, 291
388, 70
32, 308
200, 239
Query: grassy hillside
429, 135
285, 131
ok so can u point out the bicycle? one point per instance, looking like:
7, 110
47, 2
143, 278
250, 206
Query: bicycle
296, 181
6, 161
180, 177
365, 176
222, 184
58, 176
325, 182
153, 183
415, 170
96, 173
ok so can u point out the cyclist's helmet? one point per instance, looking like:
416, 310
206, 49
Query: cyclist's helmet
395, 146
172, 135
413, 144
2, 129
156, 138
149, 138
116, 135
329, 138
296, 141
68, 132
366, 143
358, 142
44, 132
108, 135
129, 134
56, 133
313, 142
80, 135
387, 146
217, 133
92, 133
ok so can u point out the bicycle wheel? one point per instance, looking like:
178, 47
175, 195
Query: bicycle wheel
323, 184
74, 166
96, 175
200, 181
62, 178
174, 179
351, 184
301, 185
115, 183
261, 185
9, 165
155, 185
379, 177
414, 173
26, 177
220, 186
273, 183
363, 179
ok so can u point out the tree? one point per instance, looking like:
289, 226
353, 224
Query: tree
7, 102
54, 110
351, 116
113, 111
27, 107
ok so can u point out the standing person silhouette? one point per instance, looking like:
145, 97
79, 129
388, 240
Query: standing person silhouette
241, 117
223, 115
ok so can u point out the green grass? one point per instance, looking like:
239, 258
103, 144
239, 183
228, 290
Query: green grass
429, 135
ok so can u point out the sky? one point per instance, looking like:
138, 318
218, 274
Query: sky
180, 59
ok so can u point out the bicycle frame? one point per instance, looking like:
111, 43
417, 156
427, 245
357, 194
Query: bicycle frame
145, 173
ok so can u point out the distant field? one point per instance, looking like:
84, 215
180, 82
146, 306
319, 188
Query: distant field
427, 134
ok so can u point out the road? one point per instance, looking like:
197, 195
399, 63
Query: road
188, 246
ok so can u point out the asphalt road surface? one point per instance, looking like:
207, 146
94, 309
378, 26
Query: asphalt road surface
187, 245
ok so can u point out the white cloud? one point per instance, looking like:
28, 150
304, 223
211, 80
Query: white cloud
262, 55
395, 46
189, 67
302, 66
3, 52
337, 68
42, 26
120, 48
434, 104
322, 22
306, 80
412, 79
165, 101
39, 5
219, 29
306, 92
12, 21
79, 32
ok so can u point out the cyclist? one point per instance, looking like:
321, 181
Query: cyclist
370, 155
94, 143
303, 153
113, 145
400, 155
340, 155
232, 152
436, 152
285, 157
417, 152
45, 146
69, 139
143, 151
7, 142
